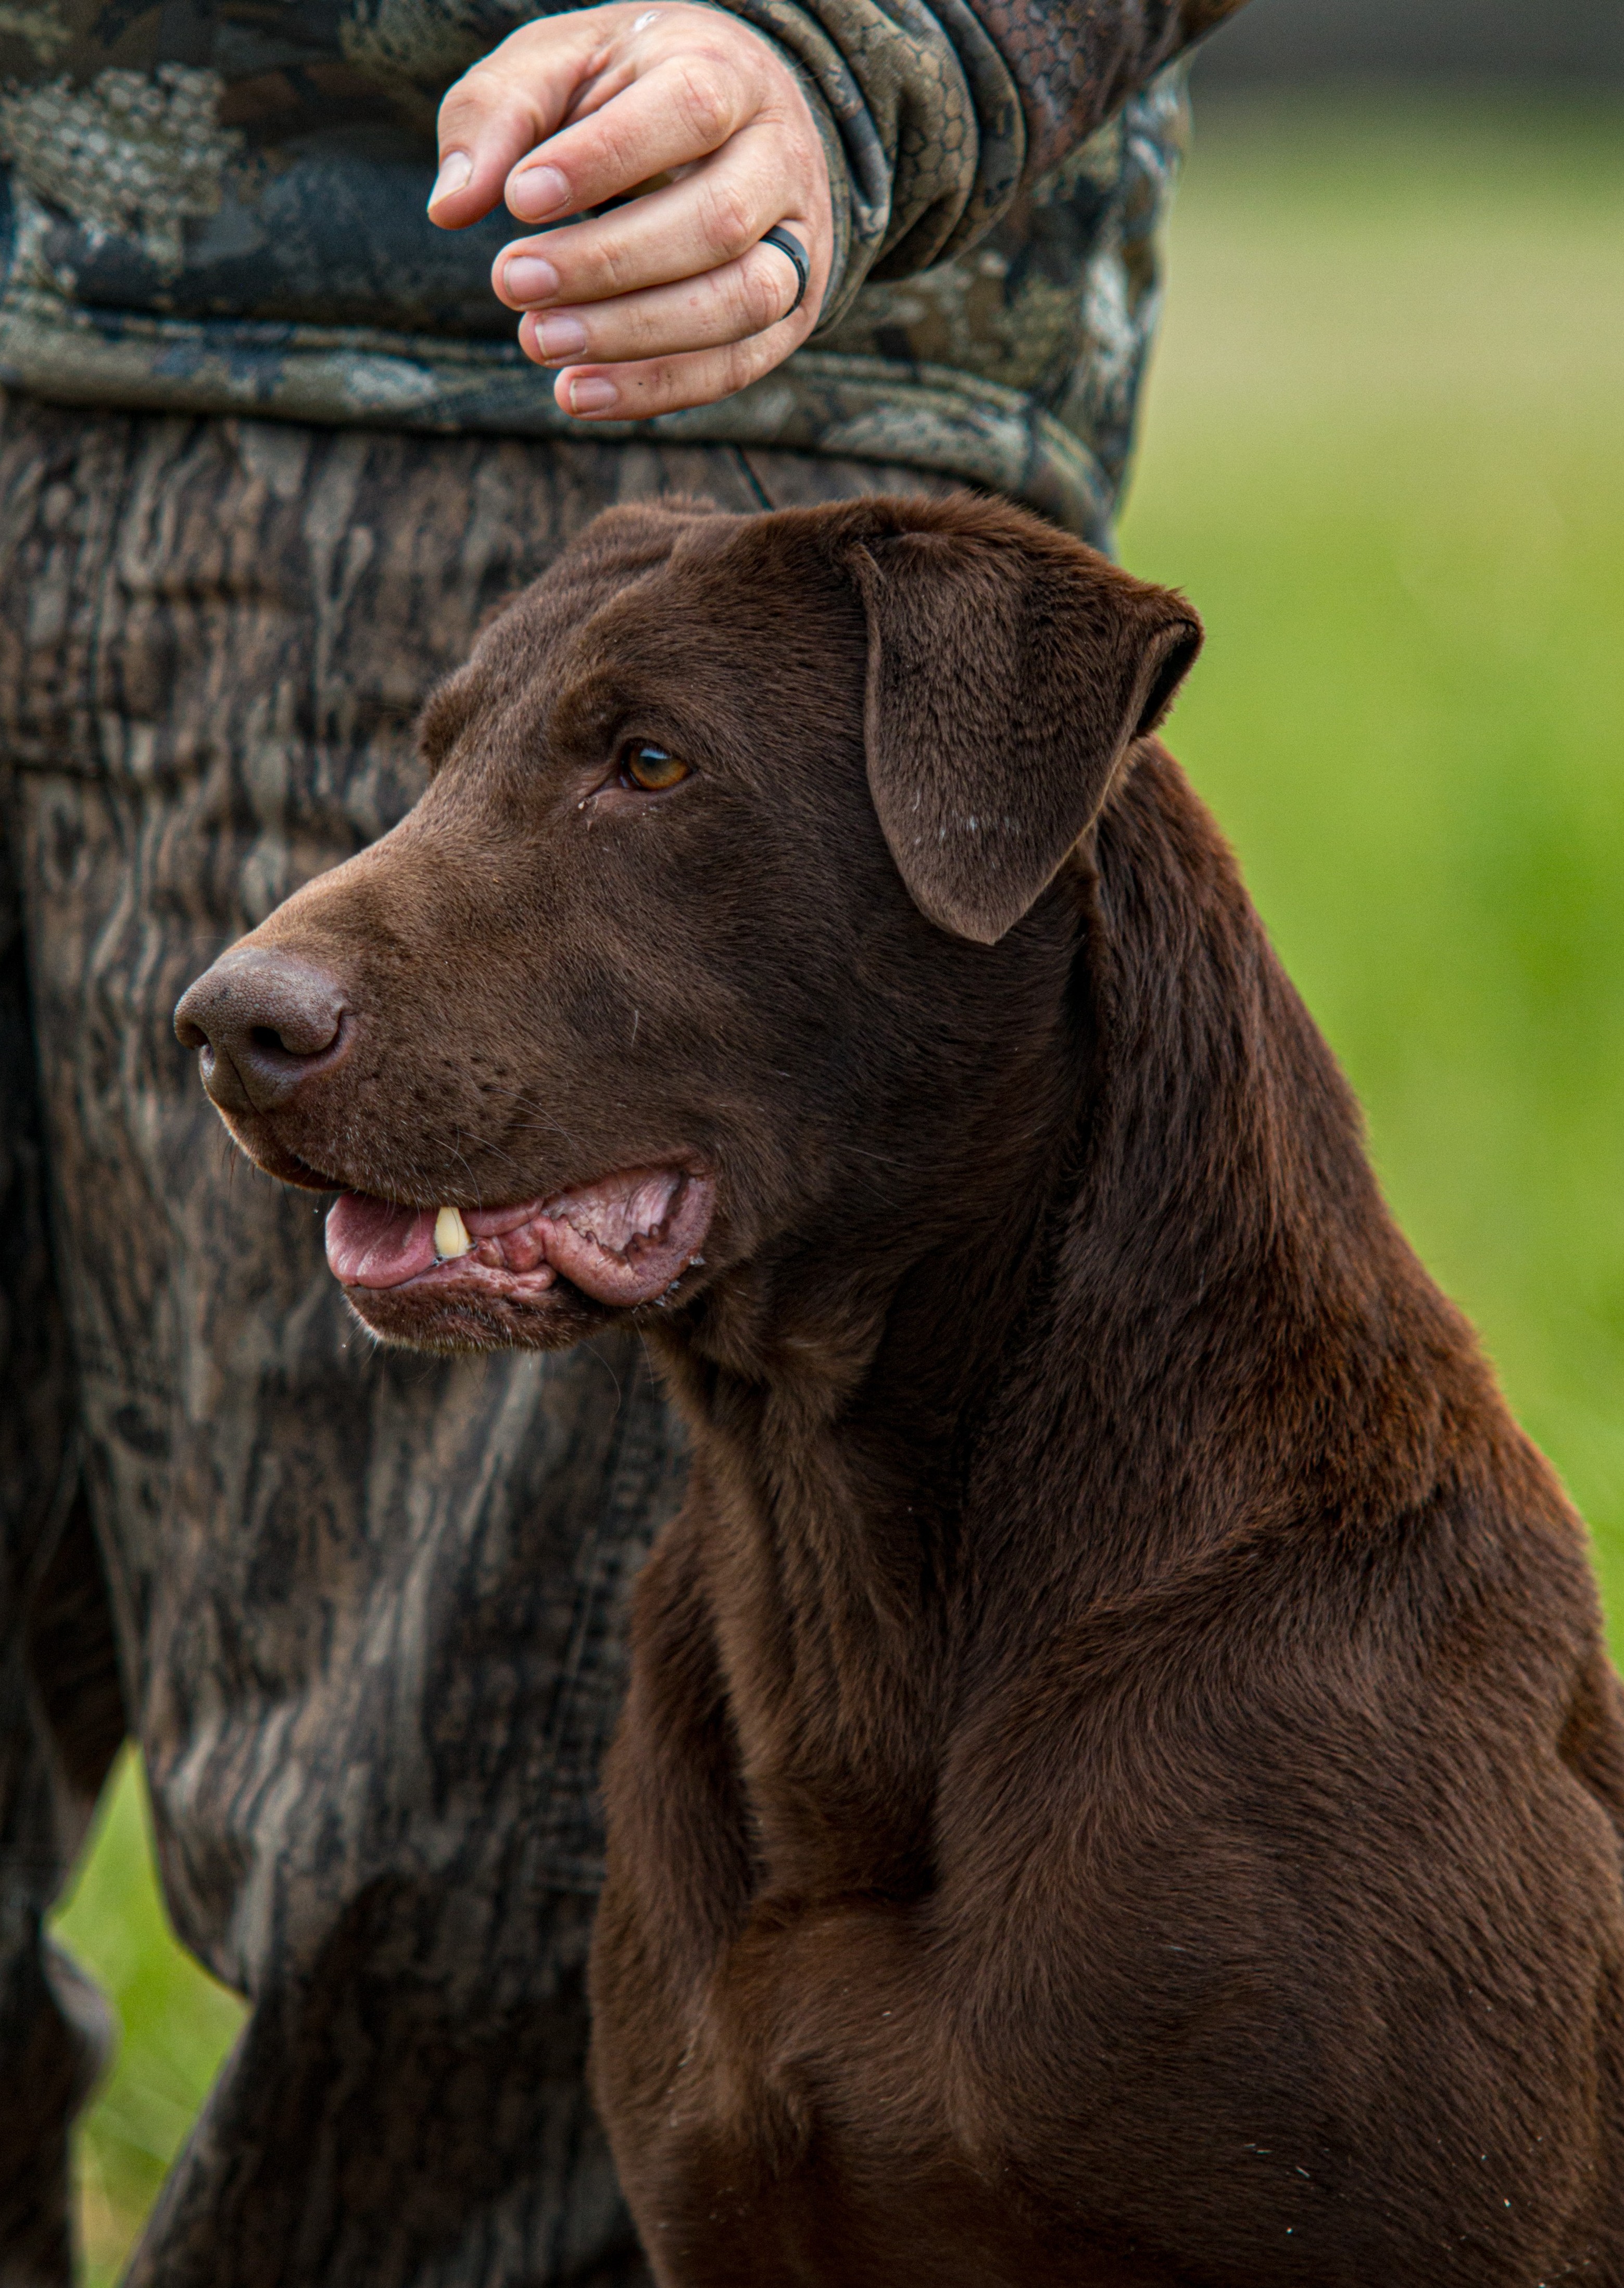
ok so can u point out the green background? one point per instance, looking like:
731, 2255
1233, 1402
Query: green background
1382, 455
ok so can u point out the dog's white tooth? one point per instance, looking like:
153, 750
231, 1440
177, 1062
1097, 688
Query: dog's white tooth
451, 1235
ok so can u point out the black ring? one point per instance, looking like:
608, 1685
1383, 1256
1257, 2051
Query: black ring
787, 242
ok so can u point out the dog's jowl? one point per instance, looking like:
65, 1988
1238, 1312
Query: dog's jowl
1121, 1782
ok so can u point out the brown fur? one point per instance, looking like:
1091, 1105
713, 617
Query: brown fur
1121, 1782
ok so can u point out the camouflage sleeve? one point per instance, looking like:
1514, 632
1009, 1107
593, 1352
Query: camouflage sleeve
934, 116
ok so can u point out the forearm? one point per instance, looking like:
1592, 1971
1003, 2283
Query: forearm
934, 116
1074, 63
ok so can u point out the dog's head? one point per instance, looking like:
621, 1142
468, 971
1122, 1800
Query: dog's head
723, 928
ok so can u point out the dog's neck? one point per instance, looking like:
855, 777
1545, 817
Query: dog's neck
1176, 1313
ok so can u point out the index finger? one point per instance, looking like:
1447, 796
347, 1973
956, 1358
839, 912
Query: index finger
681, 110
504, 107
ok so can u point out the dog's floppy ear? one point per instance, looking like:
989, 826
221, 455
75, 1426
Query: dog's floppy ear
1010, 669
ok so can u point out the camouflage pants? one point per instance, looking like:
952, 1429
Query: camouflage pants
363, 1610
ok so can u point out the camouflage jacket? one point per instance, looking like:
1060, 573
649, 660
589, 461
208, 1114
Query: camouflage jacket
217, 206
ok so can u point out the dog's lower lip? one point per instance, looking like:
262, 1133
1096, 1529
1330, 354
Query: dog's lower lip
623, 1239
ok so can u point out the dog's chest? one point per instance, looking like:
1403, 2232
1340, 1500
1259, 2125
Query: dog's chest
822, 2122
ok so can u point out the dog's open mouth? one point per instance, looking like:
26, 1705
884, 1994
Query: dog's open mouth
624, 1240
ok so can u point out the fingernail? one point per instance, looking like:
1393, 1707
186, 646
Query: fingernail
455, 168
539, 191
529, 279
562, 338
593, 396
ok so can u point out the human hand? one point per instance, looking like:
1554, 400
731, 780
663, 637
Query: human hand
671, 299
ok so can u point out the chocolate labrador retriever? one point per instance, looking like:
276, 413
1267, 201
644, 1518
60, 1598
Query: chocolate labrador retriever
1121, 1782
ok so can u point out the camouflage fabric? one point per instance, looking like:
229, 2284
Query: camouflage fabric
219, 207
363, 1609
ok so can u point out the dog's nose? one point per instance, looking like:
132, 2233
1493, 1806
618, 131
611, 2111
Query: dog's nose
263, 1024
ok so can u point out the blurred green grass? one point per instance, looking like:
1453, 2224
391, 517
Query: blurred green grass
177, 2025
1383, 453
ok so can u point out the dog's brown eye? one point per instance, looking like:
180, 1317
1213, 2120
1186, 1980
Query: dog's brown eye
651, 768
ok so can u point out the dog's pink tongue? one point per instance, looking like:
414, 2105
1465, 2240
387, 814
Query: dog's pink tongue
375, 1244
